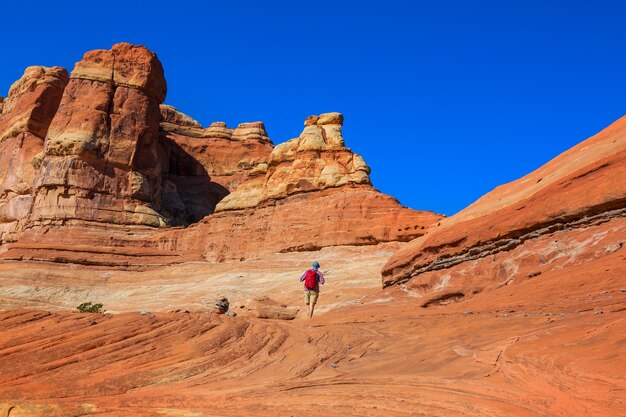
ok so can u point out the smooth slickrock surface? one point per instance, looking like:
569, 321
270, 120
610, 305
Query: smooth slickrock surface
533, 348
570, 195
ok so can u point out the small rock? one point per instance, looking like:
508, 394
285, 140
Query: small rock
599, 312
534, 274
503, 315
623, 290
221, 305
334, 365
147, 313
468, 312
231, 313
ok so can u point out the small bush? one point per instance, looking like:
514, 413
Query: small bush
90, 307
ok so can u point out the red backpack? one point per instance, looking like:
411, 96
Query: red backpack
310, 279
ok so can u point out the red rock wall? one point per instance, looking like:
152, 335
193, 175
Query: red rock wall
24, 121
117, 169
101, 159
204, 165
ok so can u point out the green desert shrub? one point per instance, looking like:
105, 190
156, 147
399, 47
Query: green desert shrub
90, 307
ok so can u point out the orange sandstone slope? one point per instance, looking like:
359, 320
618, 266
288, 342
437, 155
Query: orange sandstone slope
506, 355
527, 227
96, 170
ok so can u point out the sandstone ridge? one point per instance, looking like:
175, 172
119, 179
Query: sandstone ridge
570, 210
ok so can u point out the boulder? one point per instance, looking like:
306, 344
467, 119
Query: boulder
221, 305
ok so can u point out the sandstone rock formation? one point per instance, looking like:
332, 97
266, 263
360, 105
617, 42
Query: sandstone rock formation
109, 165
204, 164
101, 160
525, 289
572, 205
24, 121
314, 161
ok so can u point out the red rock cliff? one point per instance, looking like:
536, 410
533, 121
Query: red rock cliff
105, 168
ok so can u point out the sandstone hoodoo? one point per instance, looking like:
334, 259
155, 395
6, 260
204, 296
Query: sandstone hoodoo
104, 168
101, 161
314, 161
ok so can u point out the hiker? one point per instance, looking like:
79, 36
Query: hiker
312, 280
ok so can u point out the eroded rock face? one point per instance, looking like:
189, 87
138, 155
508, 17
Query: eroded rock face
568, 210
24, 121
314, 161
101, 159
204, 164
350, 215
116, 164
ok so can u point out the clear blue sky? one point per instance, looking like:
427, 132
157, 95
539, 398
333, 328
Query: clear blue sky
444, 99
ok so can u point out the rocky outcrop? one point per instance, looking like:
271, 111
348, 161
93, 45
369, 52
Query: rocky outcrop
24, 121
110, 165
579, 198
204, 164
32, 102
351, 215
101, 159
312, 192
314, 161
173, 118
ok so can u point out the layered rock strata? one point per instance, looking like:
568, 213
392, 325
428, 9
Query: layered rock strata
101, 161
574, 204
24, 122
204, 164
314, 161
109, 169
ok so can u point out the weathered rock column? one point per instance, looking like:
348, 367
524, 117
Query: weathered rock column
101, 159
